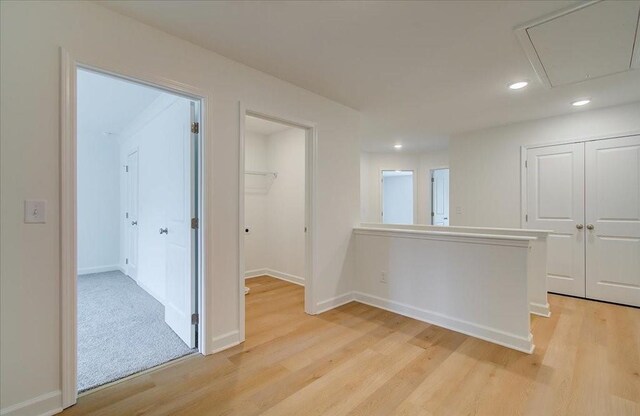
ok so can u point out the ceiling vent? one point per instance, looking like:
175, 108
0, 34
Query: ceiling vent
593, 39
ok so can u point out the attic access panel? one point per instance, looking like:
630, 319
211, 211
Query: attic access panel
590, 40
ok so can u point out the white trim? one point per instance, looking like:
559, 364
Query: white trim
335, 302
68, 257
99, 269
539, 309
68, 234
468, 328
225, 341
47, 404
523, 158
297, 280
470, 238
250, 274
311, 146
151, 292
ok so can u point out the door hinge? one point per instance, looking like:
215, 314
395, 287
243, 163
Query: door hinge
432, 180
195, 223
126, 168
526, 218
432, 214
195, 319
195, 127
126, 261
526, 163
126, 215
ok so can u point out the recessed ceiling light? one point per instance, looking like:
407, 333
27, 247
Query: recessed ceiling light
518, 85
580, 103
397, 146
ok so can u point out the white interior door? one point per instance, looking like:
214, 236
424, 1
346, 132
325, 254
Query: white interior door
555, 201
397, 196
132, 214
180, 289
440, 197
613, 220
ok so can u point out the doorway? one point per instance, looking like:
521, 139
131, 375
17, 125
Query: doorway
397, 196
138, 240
276, 205
440, 197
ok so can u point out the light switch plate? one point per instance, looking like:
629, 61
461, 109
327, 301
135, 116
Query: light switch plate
35, 211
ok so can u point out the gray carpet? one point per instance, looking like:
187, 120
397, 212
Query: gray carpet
121, 330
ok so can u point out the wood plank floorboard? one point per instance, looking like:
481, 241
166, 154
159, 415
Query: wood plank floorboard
359, 360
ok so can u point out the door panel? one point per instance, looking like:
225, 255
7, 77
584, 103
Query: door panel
555, 201
179, 302
132, 218
613, 209
440, 197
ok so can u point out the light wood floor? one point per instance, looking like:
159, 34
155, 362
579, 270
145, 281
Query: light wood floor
359, 360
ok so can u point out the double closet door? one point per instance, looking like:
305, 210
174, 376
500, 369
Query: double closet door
588, 194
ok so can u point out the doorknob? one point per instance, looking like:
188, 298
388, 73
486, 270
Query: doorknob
164, 231
579, 226
590, 227
134, 222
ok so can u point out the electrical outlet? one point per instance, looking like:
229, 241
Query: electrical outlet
383, 277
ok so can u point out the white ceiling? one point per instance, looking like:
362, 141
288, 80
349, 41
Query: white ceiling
264, 127
107, 104
418, 71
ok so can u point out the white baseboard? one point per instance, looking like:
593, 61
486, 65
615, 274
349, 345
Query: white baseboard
478, 331
274, 273
99, 269
44, 405
224, 341
249, 274
539, 309
147, 289
333, 303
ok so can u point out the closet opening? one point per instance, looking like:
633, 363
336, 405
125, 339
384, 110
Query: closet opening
138, 240
276, 217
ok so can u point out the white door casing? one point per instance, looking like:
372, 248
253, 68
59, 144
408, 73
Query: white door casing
613, 220
440, 197
555, 201
180, 289
131, 219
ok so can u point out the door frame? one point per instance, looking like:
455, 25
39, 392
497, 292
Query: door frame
69, 64
414, 186
523, 160
311, 146
431, 183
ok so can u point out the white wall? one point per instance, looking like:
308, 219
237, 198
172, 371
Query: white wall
275, 214
154, 134
98, 179
474, 284
31, 34
255, 202
485, 165
286, 202
371, 164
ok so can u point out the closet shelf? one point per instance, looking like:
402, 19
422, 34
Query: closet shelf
261, 173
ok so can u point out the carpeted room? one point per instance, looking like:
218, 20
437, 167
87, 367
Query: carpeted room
132, 187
